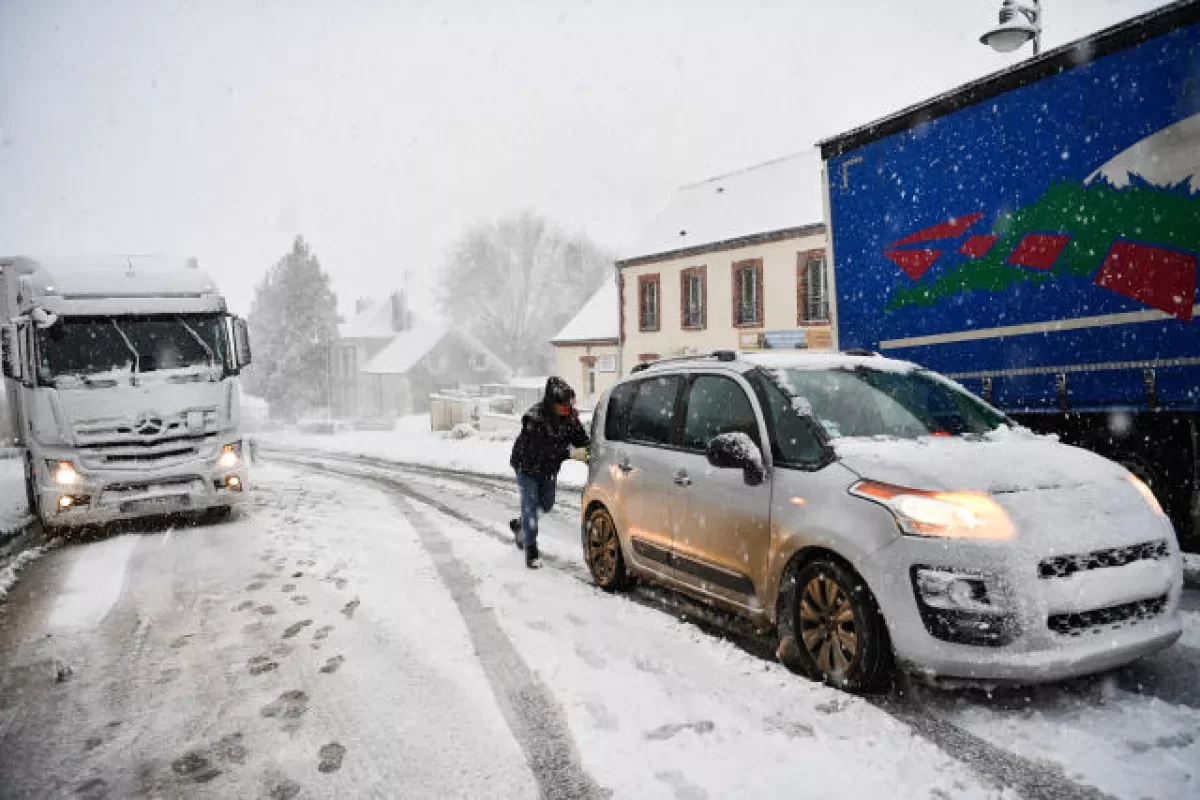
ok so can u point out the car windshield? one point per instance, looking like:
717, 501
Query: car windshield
92, 349
870, 402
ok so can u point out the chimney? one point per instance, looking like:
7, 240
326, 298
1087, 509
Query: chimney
400, 316
361, 304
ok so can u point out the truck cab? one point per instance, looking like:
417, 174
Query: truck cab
121, 375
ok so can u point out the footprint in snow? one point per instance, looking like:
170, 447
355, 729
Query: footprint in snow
322, 633
300, 600
333, 664
331, 757
244, 605
350, 608
665, 732
289, 705
294, 629
266, 611
288, 587
260, 664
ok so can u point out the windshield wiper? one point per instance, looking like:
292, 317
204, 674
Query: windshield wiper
137, 359
212, 359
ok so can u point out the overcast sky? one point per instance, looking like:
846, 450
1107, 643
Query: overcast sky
379, 130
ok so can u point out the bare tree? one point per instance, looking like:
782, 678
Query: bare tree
516, 282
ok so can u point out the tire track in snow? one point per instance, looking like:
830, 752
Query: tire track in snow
533, 715
1030, 779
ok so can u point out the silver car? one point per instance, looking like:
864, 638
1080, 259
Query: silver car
876, 515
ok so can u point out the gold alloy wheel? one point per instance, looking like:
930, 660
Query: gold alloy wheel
602, 548
827, 625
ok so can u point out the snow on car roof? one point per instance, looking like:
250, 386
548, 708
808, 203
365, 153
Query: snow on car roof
805, 360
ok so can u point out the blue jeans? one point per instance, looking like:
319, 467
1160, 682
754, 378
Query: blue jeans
537, 494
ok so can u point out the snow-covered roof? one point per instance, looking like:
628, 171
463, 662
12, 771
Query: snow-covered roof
775, 196
820, 361
598, 320
408, 347
373, 322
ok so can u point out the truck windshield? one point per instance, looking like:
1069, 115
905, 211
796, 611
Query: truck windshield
91, 349
906, 404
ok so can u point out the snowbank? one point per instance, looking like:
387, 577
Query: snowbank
412, 442
13, 511
1191, 569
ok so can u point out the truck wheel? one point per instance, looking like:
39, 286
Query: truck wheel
31, 492
830, 628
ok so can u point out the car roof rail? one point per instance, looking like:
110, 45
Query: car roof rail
724, 356
860, 351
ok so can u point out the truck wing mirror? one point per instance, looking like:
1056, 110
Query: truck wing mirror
241, 344
10, 351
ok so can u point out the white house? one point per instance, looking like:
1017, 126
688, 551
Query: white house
585, 350
734, 262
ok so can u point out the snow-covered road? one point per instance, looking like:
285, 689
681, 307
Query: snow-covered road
380, 636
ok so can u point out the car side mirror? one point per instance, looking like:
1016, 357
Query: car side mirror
737, 451
241, 344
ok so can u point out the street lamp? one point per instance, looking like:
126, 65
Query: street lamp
1020, 21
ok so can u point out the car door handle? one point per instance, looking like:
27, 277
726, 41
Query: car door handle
682, 479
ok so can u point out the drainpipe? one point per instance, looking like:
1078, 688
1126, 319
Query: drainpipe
620, 279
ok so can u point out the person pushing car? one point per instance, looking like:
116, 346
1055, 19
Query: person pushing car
549, 431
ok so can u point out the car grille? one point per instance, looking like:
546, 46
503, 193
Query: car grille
1066, 566
1077, 623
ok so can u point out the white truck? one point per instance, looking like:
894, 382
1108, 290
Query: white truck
121, 377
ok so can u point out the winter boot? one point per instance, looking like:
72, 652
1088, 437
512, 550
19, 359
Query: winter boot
514, 525
532, 557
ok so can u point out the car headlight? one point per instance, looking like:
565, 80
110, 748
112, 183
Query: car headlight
231, 455
1147, 494
62, 472
954, 515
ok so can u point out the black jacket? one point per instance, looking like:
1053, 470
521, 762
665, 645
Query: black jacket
546, 439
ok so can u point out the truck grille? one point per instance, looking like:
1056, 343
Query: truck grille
161, 453
1066, 566
1077, 623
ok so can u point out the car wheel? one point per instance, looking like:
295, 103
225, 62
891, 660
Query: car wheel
830, 628
602, 551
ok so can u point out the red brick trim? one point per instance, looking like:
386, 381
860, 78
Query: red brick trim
643, 282
702, 271
755, 264
648, 357
587, 360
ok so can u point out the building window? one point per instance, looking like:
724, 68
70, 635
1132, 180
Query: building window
479, 362
747, 293
693, 295
648, 302
812, 288
606, 364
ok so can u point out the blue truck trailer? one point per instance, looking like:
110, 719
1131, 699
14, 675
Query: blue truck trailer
1036, 236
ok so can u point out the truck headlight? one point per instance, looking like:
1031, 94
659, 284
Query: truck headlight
63, 472
954, 515
231, 455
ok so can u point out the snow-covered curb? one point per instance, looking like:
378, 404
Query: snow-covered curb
8, 575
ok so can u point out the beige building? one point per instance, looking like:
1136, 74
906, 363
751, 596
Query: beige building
736, 262
585, 350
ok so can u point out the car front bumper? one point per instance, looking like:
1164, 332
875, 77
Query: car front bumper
1044, 627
